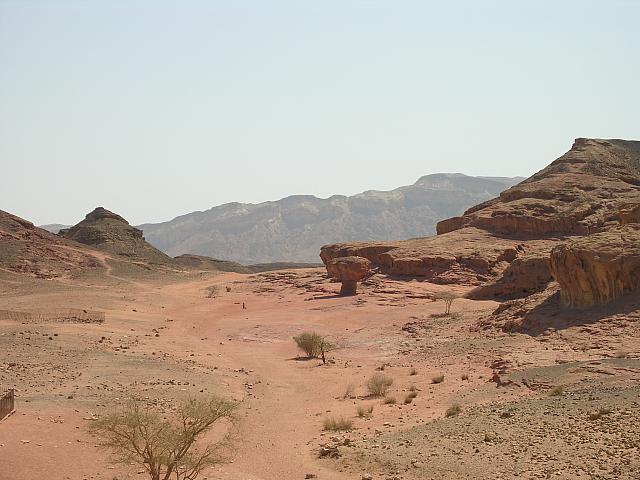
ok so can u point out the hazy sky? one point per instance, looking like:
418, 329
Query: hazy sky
158, 108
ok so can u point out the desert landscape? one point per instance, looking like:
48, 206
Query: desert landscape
506, 346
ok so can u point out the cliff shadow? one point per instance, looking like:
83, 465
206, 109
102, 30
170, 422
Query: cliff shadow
550, 314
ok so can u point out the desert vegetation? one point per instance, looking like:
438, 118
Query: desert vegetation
448, 298
166, 446
378, 385
314, 345
336, 424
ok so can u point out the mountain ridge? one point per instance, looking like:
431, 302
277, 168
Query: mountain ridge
295, 227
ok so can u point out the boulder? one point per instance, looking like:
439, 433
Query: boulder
598, 269
349, 270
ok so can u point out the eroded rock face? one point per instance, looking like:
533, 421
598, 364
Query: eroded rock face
582, 192
349, 270
526, 275
598, 269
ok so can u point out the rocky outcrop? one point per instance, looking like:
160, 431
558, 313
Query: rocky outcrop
503, 244
200, 262
467, 257
526, 275
598, 269
28, 250
109, 232
580, 193
349, 270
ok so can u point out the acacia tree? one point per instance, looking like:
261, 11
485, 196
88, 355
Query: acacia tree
448, 298
166, 447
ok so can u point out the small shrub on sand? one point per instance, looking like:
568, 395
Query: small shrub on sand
228, 288
349, 392
599, 413
365, 412
212, 291
413, 372
389, 400
413, 388
556, 391
437, 379
453, 411
378, 385
448, 299
465, 376
333, 424
314, 345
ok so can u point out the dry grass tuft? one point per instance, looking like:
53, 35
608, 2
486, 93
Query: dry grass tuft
378, 385
453, 411
333, 424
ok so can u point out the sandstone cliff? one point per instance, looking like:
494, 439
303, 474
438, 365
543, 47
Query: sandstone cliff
598, 269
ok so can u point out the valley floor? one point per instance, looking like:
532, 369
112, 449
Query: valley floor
559, 404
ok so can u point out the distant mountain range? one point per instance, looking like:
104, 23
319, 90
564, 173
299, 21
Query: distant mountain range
294, 228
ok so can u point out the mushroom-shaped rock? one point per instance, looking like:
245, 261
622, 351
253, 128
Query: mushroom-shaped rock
349, 270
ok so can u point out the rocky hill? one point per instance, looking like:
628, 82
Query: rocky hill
504, 245
27, 249
109, 232
294, 228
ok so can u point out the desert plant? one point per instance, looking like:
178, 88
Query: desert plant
599, 413
437, 379
349, 391
166, 446
333, 424
365, 412
212, 291
314, 345
465, 376
389, 400
228, 288
453, 411
378, 385
413, 372
556, 391
448, 299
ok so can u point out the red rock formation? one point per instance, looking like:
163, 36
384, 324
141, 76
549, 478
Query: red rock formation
598, 269
349, 270
592, 188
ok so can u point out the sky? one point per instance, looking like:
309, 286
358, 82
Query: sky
156, 108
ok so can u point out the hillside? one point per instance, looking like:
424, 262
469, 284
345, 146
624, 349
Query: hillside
29, 250
109, 232
294, 228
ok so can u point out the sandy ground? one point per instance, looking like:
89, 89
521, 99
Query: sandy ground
165, 340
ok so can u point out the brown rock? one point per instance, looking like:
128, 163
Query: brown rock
598, 269
349, 270
504, 243
109, 232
